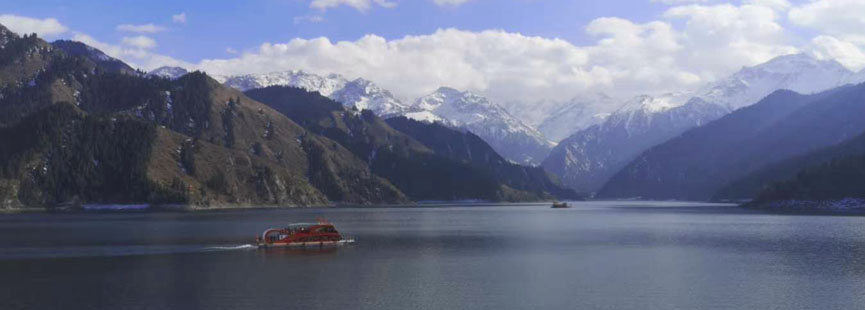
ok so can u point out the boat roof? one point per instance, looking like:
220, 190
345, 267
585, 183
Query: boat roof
304, 225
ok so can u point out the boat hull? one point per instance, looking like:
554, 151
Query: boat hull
306, 244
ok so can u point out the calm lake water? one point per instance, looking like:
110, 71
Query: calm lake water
598, 255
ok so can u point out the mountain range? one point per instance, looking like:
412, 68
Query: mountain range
80, 127
424, 169
701, 162
587, 159
75, 130
460, 109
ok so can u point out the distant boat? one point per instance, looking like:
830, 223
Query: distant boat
321, 233
561, 205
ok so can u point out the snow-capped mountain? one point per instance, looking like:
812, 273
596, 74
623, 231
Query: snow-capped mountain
588, 158
364, 95
507, 135
577, 114
798, 72
325, 85
513, 139
172, 73
534, 113
359, 93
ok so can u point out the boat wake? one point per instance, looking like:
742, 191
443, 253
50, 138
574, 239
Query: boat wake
234, 248
108, 251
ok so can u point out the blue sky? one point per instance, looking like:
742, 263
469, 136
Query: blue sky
510, 50
214, 26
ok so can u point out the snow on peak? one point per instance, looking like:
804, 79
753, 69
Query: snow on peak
169, 72
359, 93
490, 121
325, 85
365, 95
797, 72
655, 104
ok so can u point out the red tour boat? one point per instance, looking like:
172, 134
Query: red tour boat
321, 233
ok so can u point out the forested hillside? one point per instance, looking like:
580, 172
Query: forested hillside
109, 136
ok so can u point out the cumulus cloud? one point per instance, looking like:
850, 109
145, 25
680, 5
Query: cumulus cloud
687, 46
46, 28
848, 54
507, 62
626, 58
145, 28
779, 5
841, 29
724, 37
360, 5
834, 17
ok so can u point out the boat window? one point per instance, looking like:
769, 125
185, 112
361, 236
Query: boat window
326, 229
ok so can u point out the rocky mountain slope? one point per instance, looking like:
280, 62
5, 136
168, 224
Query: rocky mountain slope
418, 171
466, 147
108, 63
506, 134
586, 160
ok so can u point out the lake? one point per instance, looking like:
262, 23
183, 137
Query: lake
597, 255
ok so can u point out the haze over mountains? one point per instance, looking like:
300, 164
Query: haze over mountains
587, 159
699, 163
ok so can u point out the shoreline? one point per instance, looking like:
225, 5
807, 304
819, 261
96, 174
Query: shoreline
181, 208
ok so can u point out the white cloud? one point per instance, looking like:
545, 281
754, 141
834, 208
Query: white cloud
508, 62
450, 2
135, 56
841, 28
721, 38
779, 5
141, 42
360, 5
46, 28
627, 58
678, 1
145, 28
834, 17
845, 52
687, 46
231, 50
179, 18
